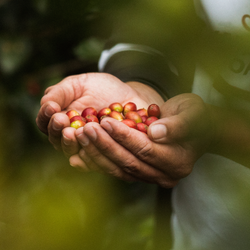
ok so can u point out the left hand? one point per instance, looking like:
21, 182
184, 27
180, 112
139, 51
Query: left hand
77, 92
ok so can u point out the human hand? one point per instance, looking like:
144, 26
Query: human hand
166, 155
78, 92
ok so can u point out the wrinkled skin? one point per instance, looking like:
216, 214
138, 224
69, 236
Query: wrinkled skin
117, 149
164, 156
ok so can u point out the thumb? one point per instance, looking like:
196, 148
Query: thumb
168, 129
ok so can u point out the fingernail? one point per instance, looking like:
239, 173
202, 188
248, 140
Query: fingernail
91, 133
83, 139
158, 131
56, 125
49, 111
107, 126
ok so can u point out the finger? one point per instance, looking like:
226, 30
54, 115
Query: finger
57, 123
96, 160
133, 140
114, 158
170, 159
76, 162
183, 118
45, 113
57, 98
92, 166
69, 143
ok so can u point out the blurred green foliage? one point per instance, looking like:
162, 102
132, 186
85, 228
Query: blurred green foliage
44, 203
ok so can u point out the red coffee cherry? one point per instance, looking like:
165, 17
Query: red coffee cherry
130, 106
154, 110
91, 118
72, 113
103, 111
77, 124
130, 123
151, 120
116, 115
116, 106
89, 111
142, 127
133, 115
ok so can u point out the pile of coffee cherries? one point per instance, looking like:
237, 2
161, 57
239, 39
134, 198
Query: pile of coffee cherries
135, 118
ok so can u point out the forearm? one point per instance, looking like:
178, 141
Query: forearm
140, 63
232, 135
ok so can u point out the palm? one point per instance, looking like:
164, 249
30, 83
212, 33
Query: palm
97, 90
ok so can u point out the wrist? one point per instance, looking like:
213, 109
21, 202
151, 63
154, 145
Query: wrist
146, 93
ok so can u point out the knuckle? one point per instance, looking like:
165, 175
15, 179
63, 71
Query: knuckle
130, 166
145, 152
105, 148
122, 135
93, 154
114, 172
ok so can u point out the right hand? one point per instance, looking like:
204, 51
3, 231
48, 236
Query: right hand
164, 156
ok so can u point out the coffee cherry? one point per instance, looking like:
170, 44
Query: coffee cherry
130, 123
130, 106
102, 117
142, 127
150, 120
77, 117
154, 110
128, 114
91, 118
144, 118
116, 106
89, 111
133, 115
77, 124
116, 115
142, 112
104, 111
72, 113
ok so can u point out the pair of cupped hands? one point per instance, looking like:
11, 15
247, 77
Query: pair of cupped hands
163, 156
